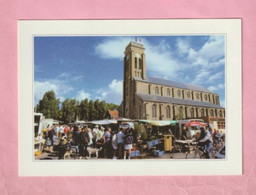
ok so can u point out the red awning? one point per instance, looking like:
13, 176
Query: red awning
195, 123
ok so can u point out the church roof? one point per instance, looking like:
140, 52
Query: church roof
157, 98
173, 84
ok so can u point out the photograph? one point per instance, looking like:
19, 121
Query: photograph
129, 97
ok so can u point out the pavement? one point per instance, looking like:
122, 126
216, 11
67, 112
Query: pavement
48, 155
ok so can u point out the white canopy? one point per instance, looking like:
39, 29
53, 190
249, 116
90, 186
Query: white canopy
104, 122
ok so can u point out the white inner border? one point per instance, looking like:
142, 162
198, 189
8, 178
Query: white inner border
230, 27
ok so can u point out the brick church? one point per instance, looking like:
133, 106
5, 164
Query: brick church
159, 99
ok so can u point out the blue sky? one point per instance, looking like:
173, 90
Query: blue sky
92, 67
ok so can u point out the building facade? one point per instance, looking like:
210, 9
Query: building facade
159, 99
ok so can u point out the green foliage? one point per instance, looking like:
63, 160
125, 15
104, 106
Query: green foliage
112, 106
72, 109
137, 127
144, 136
84, 110
49, 105
102, 110
69, 110
92, 111
96, 107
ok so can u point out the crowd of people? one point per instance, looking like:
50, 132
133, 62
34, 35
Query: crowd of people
110, 144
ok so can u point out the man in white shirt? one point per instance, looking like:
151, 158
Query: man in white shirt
120, 143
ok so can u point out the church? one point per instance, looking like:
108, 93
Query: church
153, 98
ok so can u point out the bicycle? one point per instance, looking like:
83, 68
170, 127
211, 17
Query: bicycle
195, 151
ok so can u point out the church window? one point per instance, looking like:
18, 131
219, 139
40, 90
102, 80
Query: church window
221, 114
212, 113
140, 63
154, 111
197, 96
205, 97
202, 112
168, 112
140, 111
188, 94
135, 62
178, 93
192, 113
156, 90
168, 92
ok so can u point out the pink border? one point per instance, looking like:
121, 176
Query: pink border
11, 11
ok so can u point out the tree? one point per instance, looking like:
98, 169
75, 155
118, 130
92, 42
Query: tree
69, 110
112, 106
96, 106
49, 105
102, 110
84, 110
92, 111
77, 110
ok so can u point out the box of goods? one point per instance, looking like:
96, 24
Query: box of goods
149, 144
160, 153
137, 153
155, 152
133, 153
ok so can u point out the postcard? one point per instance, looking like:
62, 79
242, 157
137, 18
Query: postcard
130, 97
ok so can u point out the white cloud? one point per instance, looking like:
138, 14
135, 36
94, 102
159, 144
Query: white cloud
210, 55
214, 48
201, 76
64, 75
112, 93
77, 78
113, 48
81, 95
216, 88
216, 76
60, 88
183, 46
159, 57
41, 87
116, 86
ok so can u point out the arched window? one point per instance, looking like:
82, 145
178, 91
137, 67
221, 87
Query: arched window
205, 97
140, 112
135, 62
140, 63
168, 112
188, 94
178, 93
154, 111
197, 96
168, 92
221, 114
202, 112
156, 90
212, 113
192, 113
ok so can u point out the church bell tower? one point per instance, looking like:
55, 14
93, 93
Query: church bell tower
134, 68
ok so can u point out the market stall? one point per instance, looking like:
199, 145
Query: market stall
159, 135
